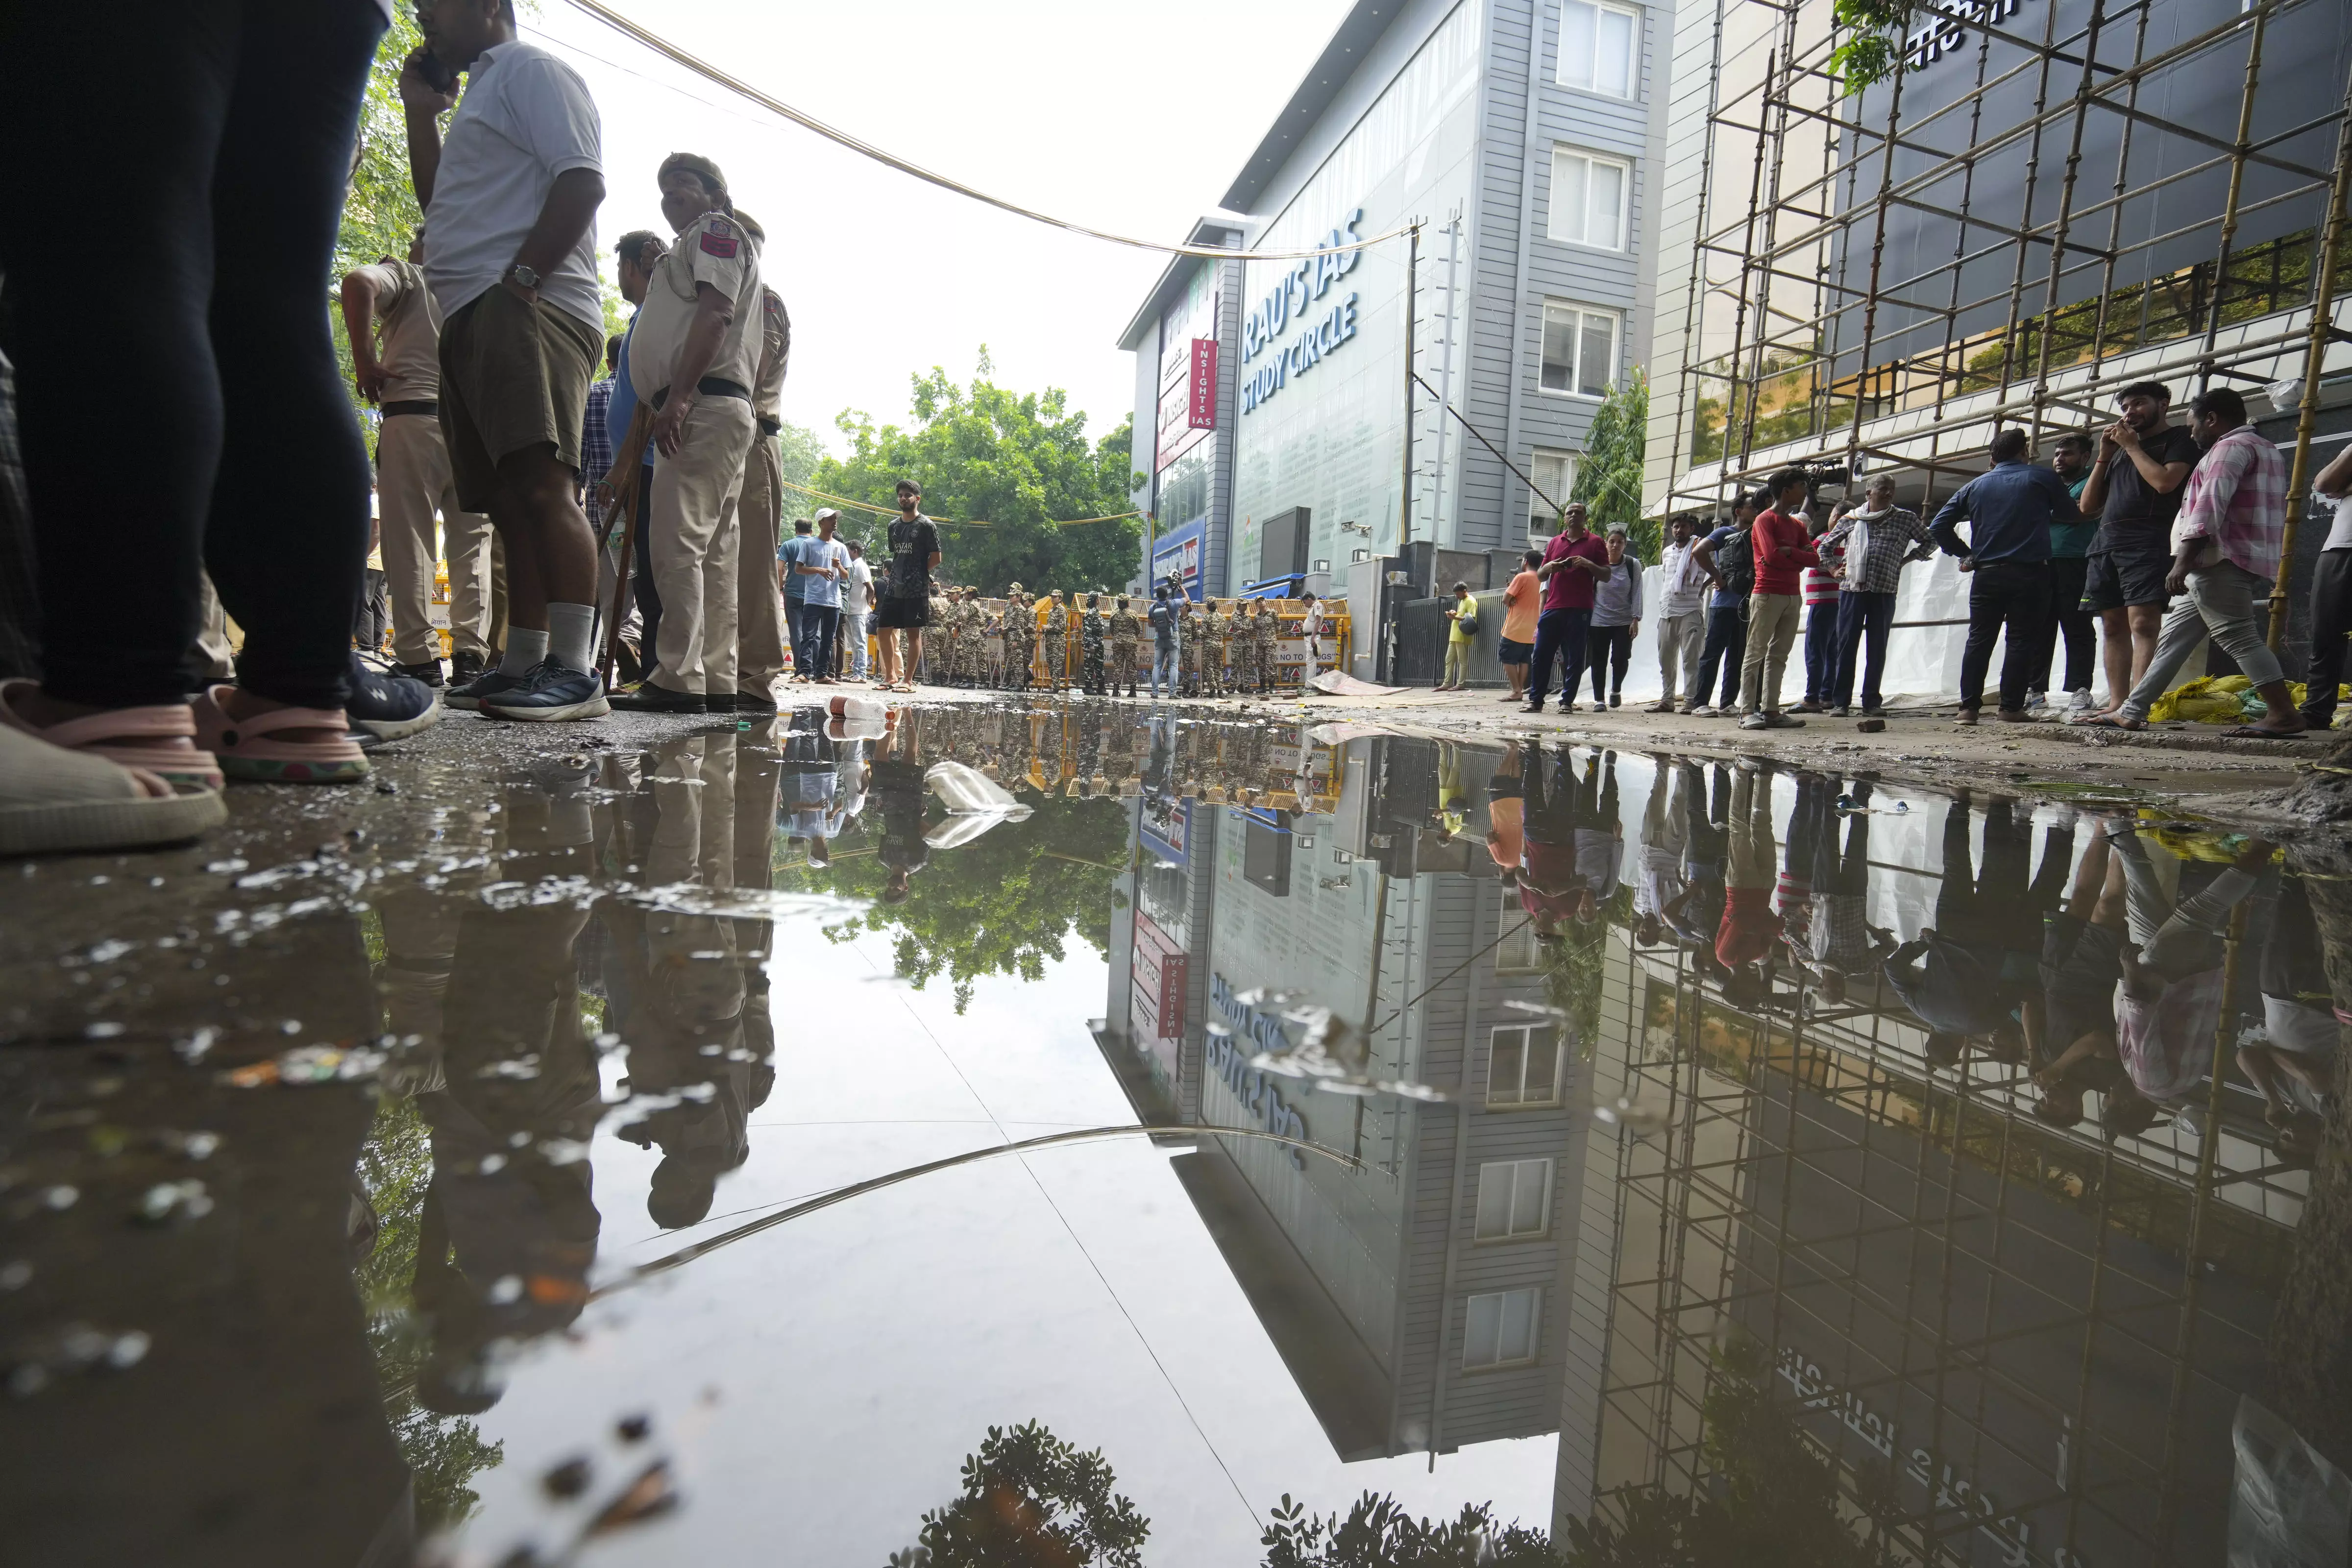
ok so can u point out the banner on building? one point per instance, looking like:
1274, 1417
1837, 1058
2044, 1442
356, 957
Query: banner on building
1204, 384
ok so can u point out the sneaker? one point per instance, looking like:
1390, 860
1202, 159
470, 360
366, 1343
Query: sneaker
2079, 700
554, 692
464, 668
427, 673
387, 707
1616, 700
492, 682
1781, 722
2036, 700
1840, 713
1704, 711
652, 698
1755, 721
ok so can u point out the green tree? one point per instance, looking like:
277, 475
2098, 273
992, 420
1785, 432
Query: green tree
1017, 462
1031, 1500
1377, 1533
1608, 475
1002, 904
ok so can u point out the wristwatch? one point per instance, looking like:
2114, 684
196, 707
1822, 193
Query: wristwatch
525, 276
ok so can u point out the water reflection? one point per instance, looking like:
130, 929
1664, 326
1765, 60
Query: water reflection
1725, 1163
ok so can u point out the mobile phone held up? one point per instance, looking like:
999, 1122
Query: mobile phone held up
438, 76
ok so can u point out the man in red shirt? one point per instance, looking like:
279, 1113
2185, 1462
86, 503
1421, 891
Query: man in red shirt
1783, 541
1573, 563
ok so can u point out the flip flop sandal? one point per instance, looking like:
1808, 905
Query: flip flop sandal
2256, 732
248, 749
160, 737
59, 801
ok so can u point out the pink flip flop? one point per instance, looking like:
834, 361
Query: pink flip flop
247, 749
161, 738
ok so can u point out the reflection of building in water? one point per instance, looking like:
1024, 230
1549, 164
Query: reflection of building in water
2030, 1341
1415, 1299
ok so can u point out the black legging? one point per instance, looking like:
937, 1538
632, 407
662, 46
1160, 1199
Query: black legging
166, 254
1607, 651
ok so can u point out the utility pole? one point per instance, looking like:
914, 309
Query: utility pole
1404, 504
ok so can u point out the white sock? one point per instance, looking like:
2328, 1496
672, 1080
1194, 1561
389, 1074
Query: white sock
523, 650
570, 633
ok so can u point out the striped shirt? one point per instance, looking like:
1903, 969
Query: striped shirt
2236, 496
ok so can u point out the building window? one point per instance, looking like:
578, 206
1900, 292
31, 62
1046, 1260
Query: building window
1596, 46
1523, 1066
1518, 953
1513, 1199
1500, 1330
1555, 475
1580, 350
1588, 195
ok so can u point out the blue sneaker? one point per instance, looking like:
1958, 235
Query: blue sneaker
553, 692
490, 682
387, 707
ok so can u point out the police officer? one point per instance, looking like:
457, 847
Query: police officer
1056, 629
1126, 642
1020, 638
693, 357
397, 365
1091, 632
759, 503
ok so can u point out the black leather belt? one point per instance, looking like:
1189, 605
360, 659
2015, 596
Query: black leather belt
711, 387
428, 405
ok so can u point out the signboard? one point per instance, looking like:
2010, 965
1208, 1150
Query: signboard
1204, 384
1162, 970
1178, 554
1296, 293
1167, 828
1229, 1054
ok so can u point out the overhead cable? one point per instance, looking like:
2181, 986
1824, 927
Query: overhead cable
670, 51
947, 521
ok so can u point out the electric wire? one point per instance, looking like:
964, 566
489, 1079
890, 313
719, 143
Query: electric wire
672, 52
946, 522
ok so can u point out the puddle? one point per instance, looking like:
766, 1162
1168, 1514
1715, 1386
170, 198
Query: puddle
1244, 1133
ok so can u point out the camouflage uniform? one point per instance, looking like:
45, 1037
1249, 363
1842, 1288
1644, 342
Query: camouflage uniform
972, 659
1058, 636
1268, 626
1020, 638
1187, 652
1125, 642
1090, 636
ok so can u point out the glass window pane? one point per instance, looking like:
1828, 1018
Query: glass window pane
1516, 1334
1494, 1202
1576, 37
1506, 1065
1542, 1078
1597, 360
1613, 59
1568, 171
1558, 360
1528, 1190
1482, 1333
1603, 226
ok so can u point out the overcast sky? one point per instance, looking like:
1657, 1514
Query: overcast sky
1121, 115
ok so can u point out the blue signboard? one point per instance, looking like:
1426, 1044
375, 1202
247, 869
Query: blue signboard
1180, 553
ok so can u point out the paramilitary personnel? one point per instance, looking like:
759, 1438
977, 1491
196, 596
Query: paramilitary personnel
1057, 630
1090, 636
1020, 638
1126, 642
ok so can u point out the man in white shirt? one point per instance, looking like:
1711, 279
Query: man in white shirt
1682, 611
511, 202
693, 357
857, 603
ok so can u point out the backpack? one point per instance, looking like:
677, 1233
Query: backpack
1734, 562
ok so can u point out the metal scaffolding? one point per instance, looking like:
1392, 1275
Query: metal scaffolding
1749, 1104
1800, 337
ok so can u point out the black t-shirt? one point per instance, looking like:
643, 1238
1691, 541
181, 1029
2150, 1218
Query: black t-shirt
2130, 502
912, 545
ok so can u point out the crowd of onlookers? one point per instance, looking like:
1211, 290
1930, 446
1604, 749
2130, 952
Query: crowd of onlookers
2134, 544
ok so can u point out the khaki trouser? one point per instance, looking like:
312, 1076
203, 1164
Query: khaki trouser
1771, 633
1679, 639
412, 483
758, 612
696, 545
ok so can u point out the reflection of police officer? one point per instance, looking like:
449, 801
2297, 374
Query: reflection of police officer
693, 356
398, 366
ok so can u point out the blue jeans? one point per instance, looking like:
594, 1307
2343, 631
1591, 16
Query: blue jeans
1163, 668
1820, 649
1862, 613
813, 645
1726, 644
793, 605
1561, 635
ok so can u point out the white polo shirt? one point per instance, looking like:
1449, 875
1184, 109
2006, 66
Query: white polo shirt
526, 117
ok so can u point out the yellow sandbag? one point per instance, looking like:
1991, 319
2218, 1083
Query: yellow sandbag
2221, 700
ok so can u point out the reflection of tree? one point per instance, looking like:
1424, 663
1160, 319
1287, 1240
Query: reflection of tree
1571, 968
443, 1452
1031, 1500
1377, 1533
1002, 904
1772, 1502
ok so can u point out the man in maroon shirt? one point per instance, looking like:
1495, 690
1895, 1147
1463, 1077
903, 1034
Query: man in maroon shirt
1783, 546
1573, 565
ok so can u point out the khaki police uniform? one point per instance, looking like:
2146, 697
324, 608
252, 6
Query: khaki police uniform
696, 531
413, 477
760, 504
